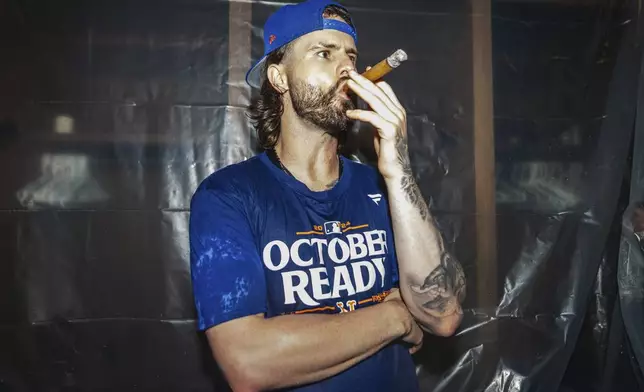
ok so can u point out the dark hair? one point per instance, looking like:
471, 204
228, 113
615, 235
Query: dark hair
266, 110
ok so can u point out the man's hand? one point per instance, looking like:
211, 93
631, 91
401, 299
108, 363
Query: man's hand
413, 334
390, 120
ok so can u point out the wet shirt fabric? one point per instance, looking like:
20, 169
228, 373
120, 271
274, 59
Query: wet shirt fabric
261, 242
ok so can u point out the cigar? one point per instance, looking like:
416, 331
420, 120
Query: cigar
387, 65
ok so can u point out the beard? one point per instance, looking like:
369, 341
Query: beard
325, 109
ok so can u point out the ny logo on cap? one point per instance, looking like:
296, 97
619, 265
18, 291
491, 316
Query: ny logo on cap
271, 39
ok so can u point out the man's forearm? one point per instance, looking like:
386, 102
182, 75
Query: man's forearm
431, 280
432, 284
298, 349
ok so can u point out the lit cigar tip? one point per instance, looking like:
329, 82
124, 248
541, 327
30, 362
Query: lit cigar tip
396, 58
400, 55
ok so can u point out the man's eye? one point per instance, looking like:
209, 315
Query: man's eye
324, 54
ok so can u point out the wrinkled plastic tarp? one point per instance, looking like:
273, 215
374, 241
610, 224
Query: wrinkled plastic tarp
113, 112
630, 272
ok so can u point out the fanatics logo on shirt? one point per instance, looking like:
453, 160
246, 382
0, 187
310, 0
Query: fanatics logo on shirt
376, 198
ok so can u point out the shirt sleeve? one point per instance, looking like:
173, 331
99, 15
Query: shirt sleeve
226, 270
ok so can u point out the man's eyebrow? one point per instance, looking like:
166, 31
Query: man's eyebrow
328, 45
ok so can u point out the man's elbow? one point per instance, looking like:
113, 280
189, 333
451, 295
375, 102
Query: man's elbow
243, 383
447, 326
247, 381
243, 375
241, 380
444, 325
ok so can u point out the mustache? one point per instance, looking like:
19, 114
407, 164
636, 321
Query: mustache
341, 84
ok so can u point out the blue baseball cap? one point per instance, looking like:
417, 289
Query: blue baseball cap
291, 22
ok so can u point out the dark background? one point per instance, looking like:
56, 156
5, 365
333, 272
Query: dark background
95, 288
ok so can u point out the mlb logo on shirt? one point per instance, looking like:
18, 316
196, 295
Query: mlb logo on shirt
332, 228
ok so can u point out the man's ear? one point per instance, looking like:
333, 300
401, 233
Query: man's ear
277, 77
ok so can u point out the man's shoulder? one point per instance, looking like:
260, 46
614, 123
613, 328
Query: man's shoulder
237, 178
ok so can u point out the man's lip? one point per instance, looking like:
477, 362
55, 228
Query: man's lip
344, 91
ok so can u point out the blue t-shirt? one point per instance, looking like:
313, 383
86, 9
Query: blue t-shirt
262, 242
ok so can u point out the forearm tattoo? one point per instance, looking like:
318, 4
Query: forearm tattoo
408, 183
444, 288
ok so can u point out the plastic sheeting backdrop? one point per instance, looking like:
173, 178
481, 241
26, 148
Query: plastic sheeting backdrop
113, 112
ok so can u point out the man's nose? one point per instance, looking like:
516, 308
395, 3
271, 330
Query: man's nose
346, 66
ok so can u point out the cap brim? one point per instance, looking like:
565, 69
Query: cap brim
254, 75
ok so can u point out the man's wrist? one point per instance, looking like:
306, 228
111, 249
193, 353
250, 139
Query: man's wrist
395, 179
399, 317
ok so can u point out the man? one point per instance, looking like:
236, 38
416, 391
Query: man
300, 258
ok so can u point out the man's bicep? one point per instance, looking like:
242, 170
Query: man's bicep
225, 337
226, 270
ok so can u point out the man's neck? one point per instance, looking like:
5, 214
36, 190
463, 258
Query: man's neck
308, 153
